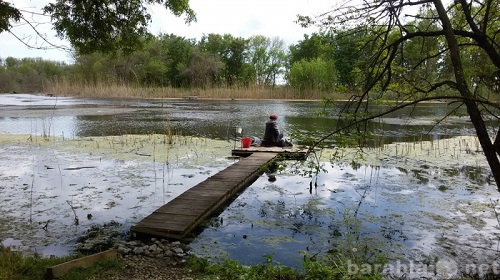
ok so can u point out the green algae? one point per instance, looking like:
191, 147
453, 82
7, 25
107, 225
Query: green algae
154, 147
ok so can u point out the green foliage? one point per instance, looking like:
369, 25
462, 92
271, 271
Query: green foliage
484, 72
107, 26
100, 25
317, 45
154, 69
349, 57
345, 51
315, 74
28, 74
100, 268
13, 265
336, 266
177, 52
231, 269
352, 59
230, 51
178, 8
203, 70
268, 59
234, 59
7, 14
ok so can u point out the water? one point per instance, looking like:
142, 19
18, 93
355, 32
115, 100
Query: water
214, 119
420, 192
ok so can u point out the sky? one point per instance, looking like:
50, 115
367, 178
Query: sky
270, 18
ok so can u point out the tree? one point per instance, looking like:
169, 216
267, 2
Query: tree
465, 28
315, 74
28, 74
268, 58
106, 25
231, 51
203, 70
94, 68
178, 51
258, 56
317, 45
234, 58
8, 14
339, 47
350, 53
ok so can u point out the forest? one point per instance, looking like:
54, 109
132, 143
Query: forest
334, 60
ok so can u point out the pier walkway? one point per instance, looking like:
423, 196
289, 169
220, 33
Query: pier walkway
179, 217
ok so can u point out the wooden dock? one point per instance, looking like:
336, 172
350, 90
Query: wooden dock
179, 217
295, 152
183, 214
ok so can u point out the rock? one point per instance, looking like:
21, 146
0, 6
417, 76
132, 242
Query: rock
123, 250
178, 251
138, 250
111, 235
153, 248
168, 253
134, 243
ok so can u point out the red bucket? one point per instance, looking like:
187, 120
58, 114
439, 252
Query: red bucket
246, 142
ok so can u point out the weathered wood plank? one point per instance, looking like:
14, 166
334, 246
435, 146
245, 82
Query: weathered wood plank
59, 270
295, 152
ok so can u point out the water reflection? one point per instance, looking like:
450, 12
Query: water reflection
212, 118
399, 211
403, 196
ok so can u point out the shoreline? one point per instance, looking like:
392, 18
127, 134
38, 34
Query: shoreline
46, 94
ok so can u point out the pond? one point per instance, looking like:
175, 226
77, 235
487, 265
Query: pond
421, 194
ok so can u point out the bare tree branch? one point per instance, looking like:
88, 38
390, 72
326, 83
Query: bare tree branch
399, 107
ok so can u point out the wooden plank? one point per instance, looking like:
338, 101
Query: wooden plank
214, 185
296, 152
59, 270
234, 178
185, 200
168, 221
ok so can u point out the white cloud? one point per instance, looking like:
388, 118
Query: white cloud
270, 18
12, 46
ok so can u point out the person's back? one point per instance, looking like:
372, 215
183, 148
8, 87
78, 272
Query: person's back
271, 134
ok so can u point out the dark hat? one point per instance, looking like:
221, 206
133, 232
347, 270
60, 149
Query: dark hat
273, 116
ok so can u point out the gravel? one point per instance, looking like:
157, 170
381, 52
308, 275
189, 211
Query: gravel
153, 259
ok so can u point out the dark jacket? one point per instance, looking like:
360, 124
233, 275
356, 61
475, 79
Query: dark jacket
272, 135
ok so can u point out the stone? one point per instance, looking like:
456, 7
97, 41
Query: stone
178, 250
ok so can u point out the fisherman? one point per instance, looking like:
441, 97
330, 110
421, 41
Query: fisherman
272, 135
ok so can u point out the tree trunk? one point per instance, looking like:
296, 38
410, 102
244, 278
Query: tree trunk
497, 142
462, 86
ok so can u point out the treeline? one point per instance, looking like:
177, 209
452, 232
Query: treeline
29, 74
319, 62
333, 61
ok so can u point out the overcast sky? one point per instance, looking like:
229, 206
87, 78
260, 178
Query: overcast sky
271, 18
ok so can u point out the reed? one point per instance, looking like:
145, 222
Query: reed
123, 90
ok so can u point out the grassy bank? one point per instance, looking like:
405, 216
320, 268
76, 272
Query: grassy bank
122, 90
13, 265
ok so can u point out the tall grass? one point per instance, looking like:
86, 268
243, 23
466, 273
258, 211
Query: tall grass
123, 90
14, 265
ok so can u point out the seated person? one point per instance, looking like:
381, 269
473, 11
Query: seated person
272, 135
